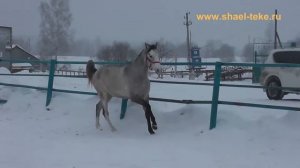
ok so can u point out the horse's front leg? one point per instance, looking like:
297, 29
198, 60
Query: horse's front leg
153, 121
148, 113
154, 124
148, 117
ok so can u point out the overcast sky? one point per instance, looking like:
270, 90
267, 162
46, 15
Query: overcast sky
138, 21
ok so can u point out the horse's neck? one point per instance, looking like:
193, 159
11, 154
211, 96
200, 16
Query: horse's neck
140, 61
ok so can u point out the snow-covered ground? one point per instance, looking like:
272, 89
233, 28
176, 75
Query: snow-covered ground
64, 135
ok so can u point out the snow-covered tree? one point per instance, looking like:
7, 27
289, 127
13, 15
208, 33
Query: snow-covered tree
55, 34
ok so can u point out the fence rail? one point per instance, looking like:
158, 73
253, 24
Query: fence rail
215, 95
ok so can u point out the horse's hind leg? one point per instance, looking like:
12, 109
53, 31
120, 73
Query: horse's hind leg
98, 110
105, 101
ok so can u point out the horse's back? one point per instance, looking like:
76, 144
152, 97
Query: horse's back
110, 79
122, 81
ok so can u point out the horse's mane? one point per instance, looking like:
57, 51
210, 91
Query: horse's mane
151, 47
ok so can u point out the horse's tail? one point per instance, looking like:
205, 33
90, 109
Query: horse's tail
90, 70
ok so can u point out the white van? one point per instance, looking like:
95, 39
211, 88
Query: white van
281, 76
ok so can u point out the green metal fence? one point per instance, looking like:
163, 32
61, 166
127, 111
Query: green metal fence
215, 95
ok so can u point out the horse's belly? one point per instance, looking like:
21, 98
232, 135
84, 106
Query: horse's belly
116, 89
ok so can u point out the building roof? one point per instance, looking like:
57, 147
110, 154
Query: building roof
16, 46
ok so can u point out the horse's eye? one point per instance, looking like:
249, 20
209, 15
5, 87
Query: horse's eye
151, 56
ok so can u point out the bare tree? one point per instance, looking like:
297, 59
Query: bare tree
180, 49
84, 47
119, 51
269, 32
218, 49
225, 53
297, 41
247, 53
55, 34
165, 48
210, 48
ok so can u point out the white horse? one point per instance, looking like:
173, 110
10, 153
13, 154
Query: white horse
128, 82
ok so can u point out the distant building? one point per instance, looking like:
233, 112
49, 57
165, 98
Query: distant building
15, 52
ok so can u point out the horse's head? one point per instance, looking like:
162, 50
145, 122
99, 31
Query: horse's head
152, 57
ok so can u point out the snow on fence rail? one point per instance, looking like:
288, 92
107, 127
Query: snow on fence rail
215, 95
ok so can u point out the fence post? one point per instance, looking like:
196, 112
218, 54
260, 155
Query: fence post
123, 108
215, 96
256, 71
50, 81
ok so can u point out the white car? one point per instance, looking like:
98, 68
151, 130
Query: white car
281, 76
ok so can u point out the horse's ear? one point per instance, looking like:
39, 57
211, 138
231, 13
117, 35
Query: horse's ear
147, 46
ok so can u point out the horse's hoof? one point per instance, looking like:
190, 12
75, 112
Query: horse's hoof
113, 129
154, 127
151, 132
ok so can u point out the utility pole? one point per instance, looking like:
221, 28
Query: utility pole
275, 34
190, 40
187, 23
